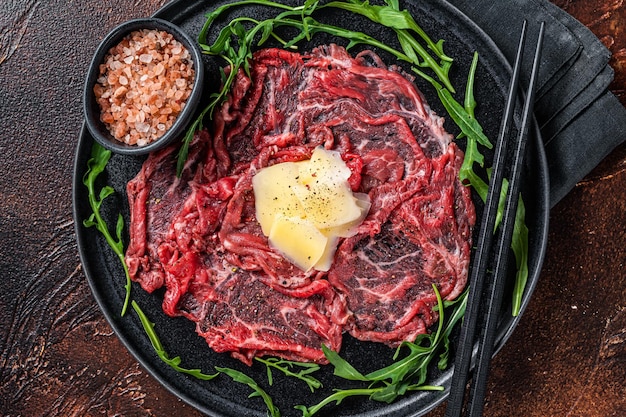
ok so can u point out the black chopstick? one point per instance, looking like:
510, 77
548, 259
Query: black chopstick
485, 243
481, 257
485, 350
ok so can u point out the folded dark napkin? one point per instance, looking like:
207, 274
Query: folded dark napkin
581, 122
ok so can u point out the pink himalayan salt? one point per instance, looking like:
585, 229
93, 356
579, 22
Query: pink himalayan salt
144, 84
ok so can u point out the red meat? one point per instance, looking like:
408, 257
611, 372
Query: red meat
198, 235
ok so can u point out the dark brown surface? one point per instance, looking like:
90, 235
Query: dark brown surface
59, 357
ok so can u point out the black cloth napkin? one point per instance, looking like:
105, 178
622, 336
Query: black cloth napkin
581, 122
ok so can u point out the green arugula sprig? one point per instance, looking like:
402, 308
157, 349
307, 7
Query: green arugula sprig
95, 166
286, 367
404, 375
148, 327
257, 391
235, 375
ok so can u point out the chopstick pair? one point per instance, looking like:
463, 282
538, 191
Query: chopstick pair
489, 319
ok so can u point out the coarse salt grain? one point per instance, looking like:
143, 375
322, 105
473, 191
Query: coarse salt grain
142, 127
143, 85
158, 70
145, 58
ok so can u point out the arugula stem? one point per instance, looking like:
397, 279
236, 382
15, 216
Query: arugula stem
240, 377
148, 327
303, 375
95, 166
237, 376
337, 397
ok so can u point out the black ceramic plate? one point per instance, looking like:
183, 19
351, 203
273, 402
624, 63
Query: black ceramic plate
222, 396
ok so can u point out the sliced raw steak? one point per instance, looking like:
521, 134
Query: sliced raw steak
199, 235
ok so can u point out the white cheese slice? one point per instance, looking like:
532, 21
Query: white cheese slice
273, 194
304, 207
298, 240
324, 192
349, 228
326, 260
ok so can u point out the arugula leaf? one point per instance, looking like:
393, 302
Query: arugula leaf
342, 368
95, 166
337, 398
467, 174
520, 250
285, 367
402, 23
240, 377
148, 326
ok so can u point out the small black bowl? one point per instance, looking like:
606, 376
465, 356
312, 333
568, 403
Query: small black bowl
92, 109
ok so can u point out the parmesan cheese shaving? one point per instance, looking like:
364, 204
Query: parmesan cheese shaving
304, 207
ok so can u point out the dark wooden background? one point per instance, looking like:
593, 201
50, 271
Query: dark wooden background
59, 357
